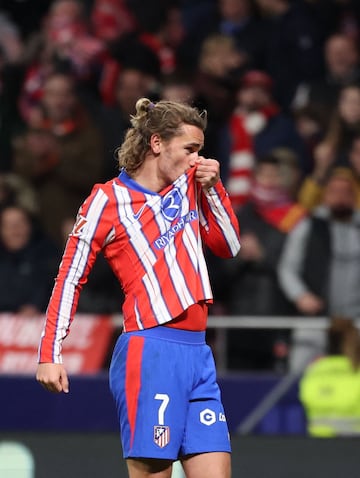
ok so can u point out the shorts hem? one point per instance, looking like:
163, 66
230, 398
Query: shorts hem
195, 452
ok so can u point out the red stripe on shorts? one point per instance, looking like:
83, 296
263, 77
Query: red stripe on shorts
133, 380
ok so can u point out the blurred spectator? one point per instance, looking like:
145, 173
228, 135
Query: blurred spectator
217, 75
310, 125
290, 171
131, 53
257, 126
67, 31
160, 29
239, 19
341, 57
311, 190
178, 87
111, 19
336, 145
64, 43
14, 190
132, 84
343, 127
330, 386
342, 16
28, 263
215, 83
319, 269
199, 20
60, 153
329, 240
250, 285
10, 39
11, 75
293, 46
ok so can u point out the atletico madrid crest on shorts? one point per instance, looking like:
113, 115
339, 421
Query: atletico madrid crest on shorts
161, 435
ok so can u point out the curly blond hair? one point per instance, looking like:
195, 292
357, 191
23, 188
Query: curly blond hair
164, 118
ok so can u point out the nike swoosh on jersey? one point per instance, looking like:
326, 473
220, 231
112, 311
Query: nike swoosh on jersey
137, 215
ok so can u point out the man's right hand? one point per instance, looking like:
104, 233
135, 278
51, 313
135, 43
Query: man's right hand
309, 304
53, 377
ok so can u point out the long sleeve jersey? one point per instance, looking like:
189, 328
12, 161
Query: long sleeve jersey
154, 245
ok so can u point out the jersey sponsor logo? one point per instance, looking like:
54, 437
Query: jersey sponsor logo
207, 417
79, 225
171, 204
161, 435
164, 239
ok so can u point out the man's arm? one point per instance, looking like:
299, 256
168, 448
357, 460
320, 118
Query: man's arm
85, 241
289, 271
219, 225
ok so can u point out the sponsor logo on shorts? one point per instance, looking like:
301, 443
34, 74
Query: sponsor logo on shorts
161, 435
208, 417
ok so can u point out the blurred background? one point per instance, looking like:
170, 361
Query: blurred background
280, 80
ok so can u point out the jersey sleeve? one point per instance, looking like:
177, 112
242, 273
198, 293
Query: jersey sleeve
220, 229
90, 233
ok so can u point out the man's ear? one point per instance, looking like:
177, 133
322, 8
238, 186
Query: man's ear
155, 143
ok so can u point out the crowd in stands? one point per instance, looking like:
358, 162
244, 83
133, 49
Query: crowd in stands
280, 80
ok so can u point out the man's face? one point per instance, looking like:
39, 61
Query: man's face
59, 98
179, 154
132, 85
268, 175
340, 197
253, 98
349, 104
340, 56
15, 230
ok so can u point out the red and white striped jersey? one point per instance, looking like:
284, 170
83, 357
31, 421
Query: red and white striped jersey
153, 243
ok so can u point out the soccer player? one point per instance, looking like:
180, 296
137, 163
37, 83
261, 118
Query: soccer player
152, 222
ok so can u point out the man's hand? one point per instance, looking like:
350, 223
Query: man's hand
53, 377
207, 172
309, 304
251, 249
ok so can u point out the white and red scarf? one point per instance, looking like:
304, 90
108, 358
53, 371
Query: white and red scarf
243, 128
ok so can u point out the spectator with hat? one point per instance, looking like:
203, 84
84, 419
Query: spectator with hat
257, 126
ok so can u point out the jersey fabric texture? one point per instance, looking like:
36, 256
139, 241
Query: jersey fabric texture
154, 245
164, 385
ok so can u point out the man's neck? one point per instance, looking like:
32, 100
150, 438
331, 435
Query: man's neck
147, 175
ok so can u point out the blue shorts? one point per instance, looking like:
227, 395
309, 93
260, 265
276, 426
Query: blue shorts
168, 401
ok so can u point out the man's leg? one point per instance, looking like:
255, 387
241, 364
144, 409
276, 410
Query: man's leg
148, 468
208, 465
